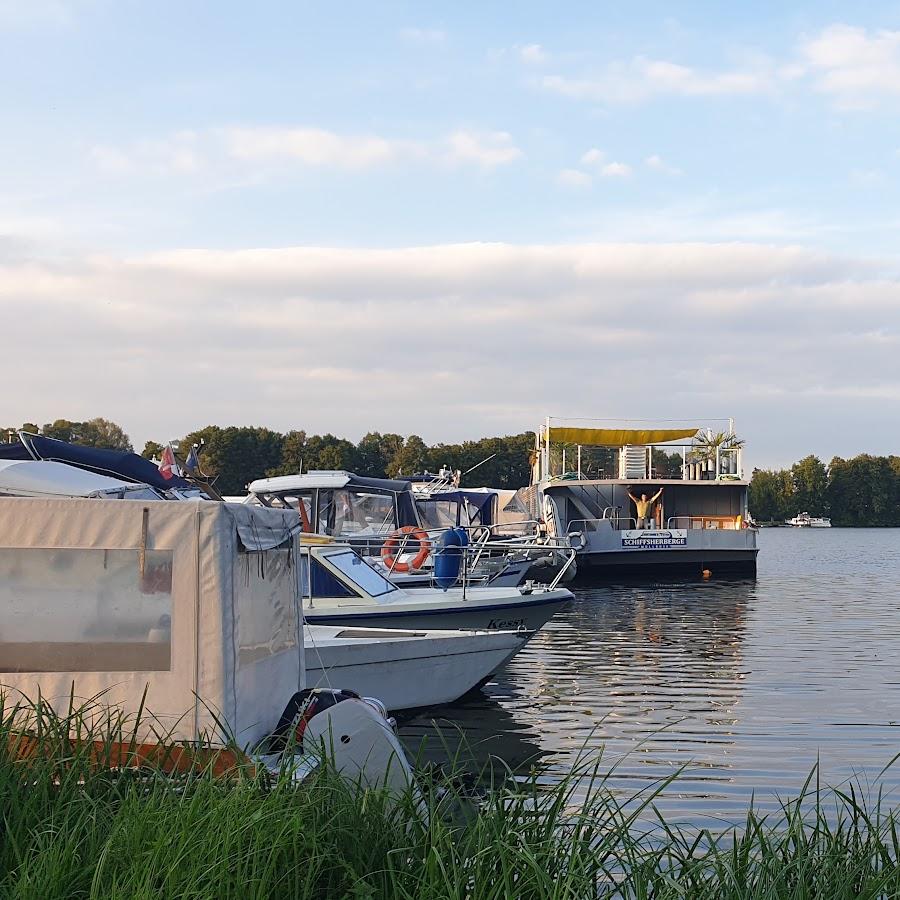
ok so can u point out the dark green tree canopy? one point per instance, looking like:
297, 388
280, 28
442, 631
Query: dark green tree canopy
862, 492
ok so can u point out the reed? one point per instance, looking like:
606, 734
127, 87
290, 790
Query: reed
72, 827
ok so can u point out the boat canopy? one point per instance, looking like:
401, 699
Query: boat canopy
401, 491
460, 507
113, 463
31, 478
618, 437
188, 611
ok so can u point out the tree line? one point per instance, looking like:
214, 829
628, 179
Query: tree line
235, 456
863, 491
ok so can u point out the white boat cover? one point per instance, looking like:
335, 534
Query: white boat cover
41, 478
194, 602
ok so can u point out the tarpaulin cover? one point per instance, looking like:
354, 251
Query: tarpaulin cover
115, 463
154, 596
618, 437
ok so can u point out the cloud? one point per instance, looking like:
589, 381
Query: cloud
856, 67
657, 163
642, 79
308, 337
423, 35
178, 154
533, 54
490, 149
574, 178
597, 159
615, 170
188, 152
314, 147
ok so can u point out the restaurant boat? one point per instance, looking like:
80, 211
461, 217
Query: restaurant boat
689, 479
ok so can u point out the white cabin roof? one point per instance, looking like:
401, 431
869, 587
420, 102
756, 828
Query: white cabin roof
306, 481
40, 478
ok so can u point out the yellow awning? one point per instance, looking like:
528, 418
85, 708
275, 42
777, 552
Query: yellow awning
618, 437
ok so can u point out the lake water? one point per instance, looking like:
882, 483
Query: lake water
744, 684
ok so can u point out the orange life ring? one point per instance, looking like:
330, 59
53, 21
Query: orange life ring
393, 543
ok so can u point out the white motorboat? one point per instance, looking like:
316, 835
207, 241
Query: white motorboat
340, 588
407, 668
44, 478
374, 514
805, 520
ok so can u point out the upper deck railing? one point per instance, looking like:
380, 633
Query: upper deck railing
707, 455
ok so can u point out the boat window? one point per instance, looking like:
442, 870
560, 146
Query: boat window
361, 573
438, 514
348, 513
265, 600
316, 581
67, 610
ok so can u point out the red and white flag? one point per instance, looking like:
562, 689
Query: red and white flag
168, 467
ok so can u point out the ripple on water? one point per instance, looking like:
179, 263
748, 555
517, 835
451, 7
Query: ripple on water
741, 685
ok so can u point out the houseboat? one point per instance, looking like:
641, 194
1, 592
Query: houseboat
644, 499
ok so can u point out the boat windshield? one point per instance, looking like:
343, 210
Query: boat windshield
438, 514
347, 513
361, 573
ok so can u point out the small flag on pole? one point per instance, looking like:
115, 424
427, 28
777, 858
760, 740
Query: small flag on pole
192, 463
168, 467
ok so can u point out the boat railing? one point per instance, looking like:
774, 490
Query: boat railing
618, 523
724, 523
472, 555
482, 543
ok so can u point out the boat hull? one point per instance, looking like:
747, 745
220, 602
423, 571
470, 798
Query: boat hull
529, 613
408, 672
596, 566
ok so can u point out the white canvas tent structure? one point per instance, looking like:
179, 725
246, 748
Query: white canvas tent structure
194, 603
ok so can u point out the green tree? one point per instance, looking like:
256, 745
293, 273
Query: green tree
771, 495
667, 465
375, 452
62, 430
330, 453
294, 457
810, 486
411, 458
864, 491
96, 432
103, 433
234, 456
152, 450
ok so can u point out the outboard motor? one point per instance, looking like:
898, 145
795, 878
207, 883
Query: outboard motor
448, 557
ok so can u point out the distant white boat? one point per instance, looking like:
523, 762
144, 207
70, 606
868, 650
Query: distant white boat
406, 668
805, 520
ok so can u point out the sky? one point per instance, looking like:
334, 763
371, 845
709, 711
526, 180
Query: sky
453, 219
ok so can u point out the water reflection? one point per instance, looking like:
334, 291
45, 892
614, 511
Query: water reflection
744, 683
649, 673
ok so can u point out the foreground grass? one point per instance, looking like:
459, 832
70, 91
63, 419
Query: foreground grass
72, 828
